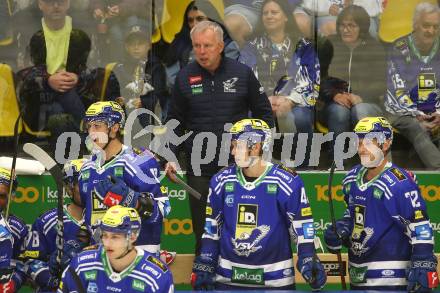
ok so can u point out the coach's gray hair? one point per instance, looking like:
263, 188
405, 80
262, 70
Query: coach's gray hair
424, 7
206, 25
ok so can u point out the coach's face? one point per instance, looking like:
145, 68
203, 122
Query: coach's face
207, 49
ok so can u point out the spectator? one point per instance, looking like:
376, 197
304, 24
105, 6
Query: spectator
56, 90
242, 16
142, 75
119, 16
413, 100
209, 93
325, 12
355, 84
6, 33
181, 51
277, 50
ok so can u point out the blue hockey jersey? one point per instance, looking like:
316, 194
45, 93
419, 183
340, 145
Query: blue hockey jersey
145, 274
412, 79
42, 242
389, 223
13, 236
296, 59
250, 226
6, 244
140, 171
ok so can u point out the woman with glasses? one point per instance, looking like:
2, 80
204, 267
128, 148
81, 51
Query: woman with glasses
278, 50
355, 84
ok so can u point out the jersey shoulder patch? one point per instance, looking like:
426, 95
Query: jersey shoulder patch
158, 263
288, 170
17, 223
48, 215
225, 171
90, 247
398, 174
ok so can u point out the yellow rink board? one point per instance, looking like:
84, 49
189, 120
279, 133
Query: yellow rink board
182, 265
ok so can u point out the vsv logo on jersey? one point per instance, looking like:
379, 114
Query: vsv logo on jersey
247, 234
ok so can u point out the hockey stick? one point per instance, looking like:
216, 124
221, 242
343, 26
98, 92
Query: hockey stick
40, 155
332, 216
188, 188
14, 162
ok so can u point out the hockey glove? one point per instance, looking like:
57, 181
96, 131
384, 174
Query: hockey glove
203, 273
8, 287
70, 249
422, 276
146, 205
114, 191
39, 273
334, 241
312, 271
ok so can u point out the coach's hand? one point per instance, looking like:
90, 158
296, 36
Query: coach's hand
171, 170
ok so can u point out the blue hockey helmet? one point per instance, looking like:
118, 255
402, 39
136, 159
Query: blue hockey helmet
123, 220
5, 178
377, 125
252, 131
108, 111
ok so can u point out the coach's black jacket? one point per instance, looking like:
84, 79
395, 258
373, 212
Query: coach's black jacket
205, 102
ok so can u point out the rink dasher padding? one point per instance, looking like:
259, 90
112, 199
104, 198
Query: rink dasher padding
182, 265
37, 194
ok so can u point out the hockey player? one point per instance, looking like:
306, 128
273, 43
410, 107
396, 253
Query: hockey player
117, 265
13, 234
41, 248
255, 212
117, 174
385, 226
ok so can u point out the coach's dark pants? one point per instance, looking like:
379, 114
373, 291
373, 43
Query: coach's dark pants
198, 207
